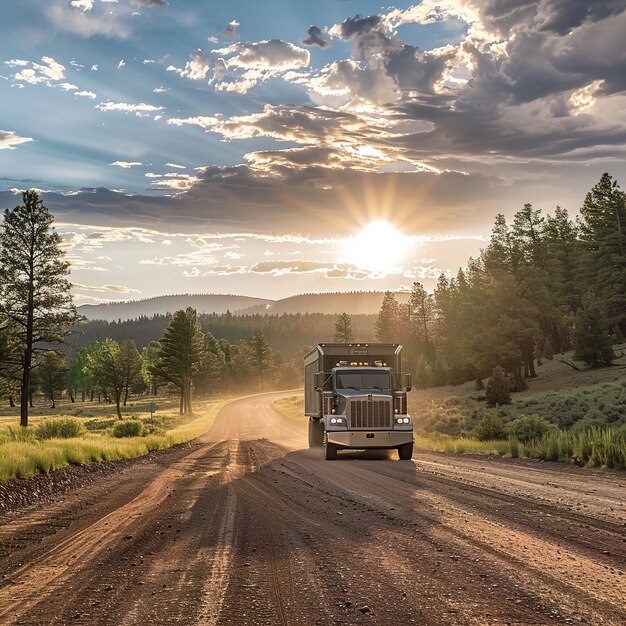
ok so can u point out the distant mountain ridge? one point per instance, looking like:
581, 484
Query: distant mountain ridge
359, 302
161, 305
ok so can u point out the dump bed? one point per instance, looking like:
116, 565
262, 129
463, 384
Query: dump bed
325, 356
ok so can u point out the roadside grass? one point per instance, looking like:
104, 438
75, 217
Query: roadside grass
291, 407
596, 447
23, 454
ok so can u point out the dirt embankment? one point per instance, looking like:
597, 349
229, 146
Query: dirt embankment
246, 528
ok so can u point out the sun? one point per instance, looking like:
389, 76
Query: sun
379, 248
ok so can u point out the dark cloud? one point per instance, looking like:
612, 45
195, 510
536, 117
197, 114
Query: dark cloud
314, 199
316, 38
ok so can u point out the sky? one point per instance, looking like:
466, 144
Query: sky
284, 146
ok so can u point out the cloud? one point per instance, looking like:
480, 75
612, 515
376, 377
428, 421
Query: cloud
126, 164
269, 54
195, 69
148, 3
244, 65
47, 72
8, 140
141, 109
86, 94
315, 37
121, 63
104, 288
66, 18
83, 5
175, 165
230, 32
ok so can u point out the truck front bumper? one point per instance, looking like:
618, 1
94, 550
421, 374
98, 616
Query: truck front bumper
362, 439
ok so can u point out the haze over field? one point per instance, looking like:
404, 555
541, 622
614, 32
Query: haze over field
248, 147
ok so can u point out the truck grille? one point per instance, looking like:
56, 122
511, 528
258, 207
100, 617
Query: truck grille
370, 414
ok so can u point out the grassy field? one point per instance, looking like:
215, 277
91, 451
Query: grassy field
560, 394
28, 451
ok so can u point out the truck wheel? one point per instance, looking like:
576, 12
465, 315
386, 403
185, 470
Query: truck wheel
330, 450
316, 434
405, 451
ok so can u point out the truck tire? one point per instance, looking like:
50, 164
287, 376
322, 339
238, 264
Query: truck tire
330, 450
405, 451
316, 434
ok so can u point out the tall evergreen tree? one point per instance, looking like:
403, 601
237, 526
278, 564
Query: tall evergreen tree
182, 354
591, 335
34, 290
386, 326
422, 312
343, 329
603, 233
261, 354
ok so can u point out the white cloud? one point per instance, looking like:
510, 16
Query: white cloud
86, 94
105, 288
148, 61
141, 109
126, 164
94, 67
68, 87
8, 140
47, 72
83, 5
180, 167
121, 63
160, 90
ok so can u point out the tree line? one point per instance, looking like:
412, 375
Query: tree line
543, 285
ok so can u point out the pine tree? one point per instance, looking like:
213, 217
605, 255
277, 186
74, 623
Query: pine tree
182, 354
34, 291
422, 312
386, 326
603, 234
592, 342
343, 329
261, 354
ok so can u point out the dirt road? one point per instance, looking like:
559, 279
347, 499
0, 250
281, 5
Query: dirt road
246, 527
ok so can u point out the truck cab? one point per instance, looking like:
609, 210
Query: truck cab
356, 398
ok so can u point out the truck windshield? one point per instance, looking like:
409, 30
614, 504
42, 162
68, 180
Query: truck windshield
363, 380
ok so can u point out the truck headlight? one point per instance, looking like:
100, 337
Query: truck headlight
403, 420
333, 420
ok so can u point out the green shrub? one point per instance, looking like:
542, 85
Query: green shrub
16, 433
490, 427
128, 428
497, 389
529, 427
60, 428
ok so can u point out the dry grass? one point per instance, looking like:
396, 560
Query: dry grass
23, 455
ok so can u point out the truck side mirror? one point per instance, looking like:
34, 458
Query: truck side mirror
409, 381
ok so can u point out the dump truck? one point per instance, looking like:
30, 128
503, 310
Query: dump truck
355, 396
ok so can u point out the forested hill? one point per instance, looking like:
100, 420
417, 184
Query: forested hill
354, 303
288, 334
203, 303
